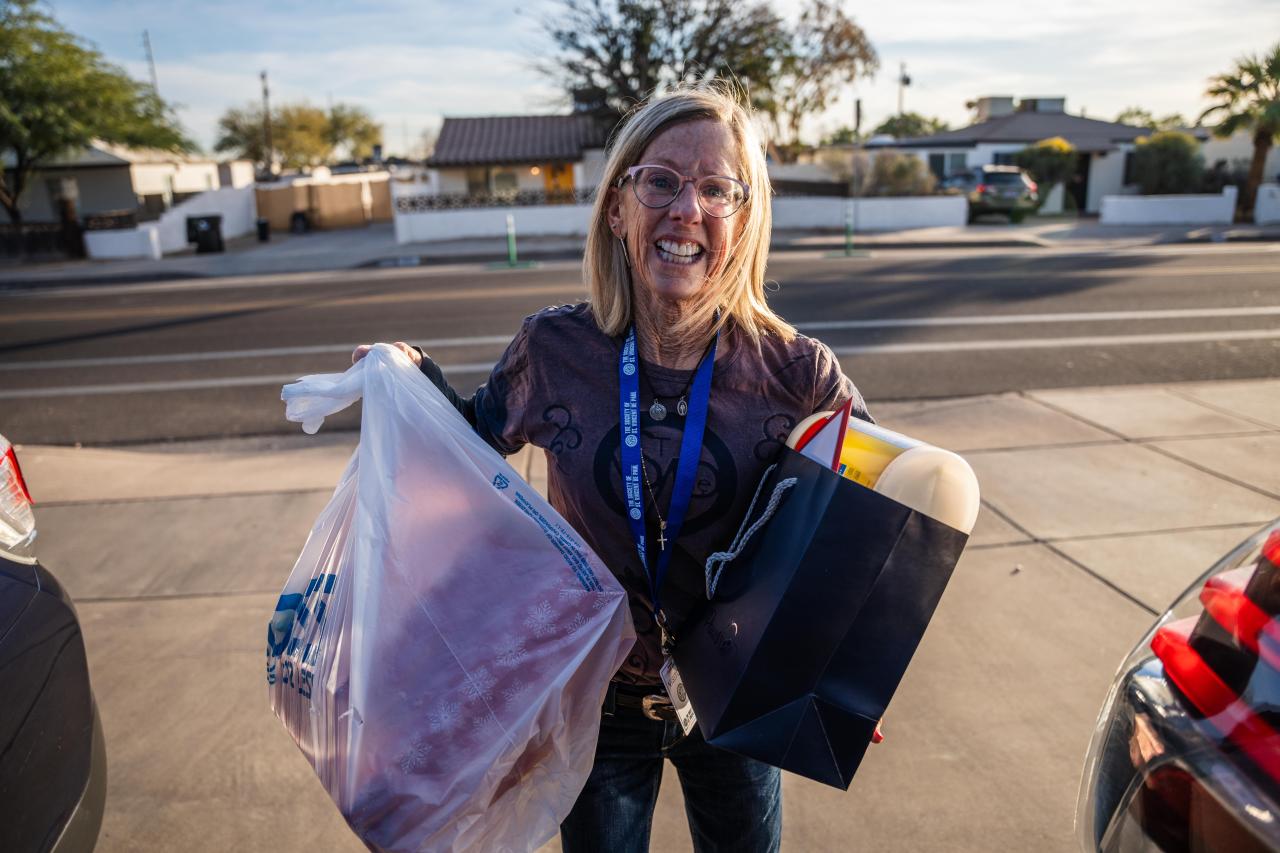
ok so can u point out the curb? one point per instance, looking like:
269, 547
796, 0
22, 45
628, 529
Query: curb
497, 260
13, 284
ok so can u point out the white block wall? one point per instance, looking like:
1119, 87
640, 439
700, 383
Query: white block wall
552, 220
870, 214
1106, 178
140, 242
1266, 209
236, 205
1170, 209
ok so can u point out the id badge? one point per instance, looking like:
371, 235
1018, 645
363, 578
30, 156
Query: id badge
679, 697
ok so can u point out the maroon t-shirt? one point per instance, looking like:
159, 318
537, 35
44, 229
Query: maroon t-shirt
556, 387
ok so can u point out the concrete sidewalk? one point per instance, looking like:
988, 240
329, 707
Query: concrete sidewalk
375, 246
1100, 506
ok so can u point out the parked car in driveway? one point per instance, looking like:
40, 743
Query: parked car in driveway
53, 766
1006, 190
1186, 753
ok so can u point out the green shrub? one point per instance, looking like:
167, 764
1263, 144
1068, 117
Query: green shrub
896, 174
1050, 161
1168, 162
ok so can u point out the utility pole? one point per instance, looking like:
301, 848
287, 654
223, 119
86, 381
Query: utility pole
151, 62
903, 82
266, 128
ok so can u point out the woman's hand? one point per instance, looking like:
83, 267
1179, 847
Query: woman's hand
363, 350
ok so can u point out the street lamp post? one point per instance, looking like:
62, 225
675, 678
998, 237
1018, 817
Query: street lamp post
267, 156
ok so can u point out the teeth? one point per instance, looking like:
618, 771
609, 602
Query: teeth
679, 252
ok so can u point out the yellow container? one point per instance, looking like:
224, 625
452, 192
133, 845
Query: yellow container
868, 449
930, 480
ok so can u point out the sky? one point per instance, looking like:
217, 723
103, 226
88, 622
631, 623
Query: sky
410, 64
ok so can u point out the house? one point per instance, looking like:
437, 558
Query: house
105, 178
1004, 127
1235, 153
556, 155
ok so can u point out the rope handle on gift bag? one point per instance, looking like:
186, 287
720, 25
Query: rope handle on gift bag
716, 562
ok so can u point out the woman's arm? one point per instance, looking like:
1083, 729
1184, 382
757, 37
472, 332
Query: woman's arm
466, 406
486, 411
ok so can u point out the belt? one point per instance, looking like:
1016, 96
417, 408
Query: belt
654, 705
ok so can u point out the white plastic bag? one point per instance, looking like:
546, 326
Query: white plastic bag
444, 642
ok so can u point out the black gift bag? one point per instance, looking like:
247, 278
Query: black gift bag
812, 625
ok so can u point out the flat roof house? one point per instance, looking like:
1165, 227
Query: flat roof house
106, 178
552, 157
1004, 127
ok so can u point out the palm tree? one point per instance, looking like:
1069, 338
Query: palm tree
1249, 98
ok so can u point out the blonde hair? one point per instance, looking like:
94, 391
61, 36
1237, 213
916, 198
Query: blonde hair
738, 286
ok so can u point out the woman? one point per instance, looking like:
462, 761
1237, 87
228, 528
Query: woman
675, 263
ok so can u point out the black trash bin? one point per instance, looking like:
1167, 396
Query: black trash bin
205, 232
264, 230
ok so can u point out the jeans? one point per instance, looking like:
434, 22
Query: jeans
733, 803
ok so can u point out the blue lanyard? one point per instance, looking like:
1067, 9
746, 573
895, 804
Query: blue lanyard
686, 470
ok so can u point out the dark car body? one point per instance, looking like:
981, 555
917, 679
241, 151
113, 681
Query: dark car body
52, 754
1005, 190
1186, 754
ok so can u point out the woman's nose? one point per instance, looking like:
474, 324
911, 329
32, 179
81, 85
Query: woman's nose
685, 205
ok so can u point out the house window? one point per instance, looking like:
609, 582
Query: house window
1004, 158
957, 162
505, 182
938, 165
477, 181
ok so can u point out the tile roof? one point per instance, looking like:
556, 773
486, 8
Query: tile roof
1086, 134
516, 139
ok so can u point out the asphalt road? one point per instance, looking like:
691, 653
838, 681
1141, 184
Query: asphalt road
113, 364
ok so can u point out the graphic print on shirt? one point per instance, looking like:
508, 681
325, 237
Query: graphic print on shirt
567, 436
775, 428
714, 486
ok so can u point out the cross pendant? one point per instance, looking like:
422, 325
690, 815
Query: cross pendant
662, 538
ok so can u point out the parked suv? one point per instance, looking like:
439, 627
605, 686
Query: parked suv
1007, 190
1186, 753
53, 766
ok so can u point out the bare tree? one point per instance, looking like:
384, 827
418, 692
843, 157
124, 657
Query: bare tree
612, 54
827, 50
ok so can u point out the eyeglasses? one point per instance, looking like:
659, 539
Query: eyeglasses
658, 186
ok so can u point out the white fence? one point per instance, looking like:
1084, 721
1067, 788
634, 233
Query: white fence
1266, 209
142, 241
870, 214
552, 220
572, 220
168, 234
1170, 209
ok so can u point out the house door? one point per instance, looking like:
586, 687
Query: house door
1078, 185
557, 182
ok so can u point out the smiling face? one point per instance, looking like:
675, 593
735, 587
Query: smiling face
676, 250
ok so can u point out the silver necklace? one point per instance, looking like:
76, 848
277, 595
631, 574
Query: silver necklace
662, 523
657, 411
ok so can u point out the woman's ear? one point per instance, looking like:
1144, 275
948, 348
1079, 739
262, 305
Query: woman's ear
613, 212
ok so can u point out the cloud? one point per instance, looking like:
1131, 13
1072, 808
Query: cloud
410, 62
404, 88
